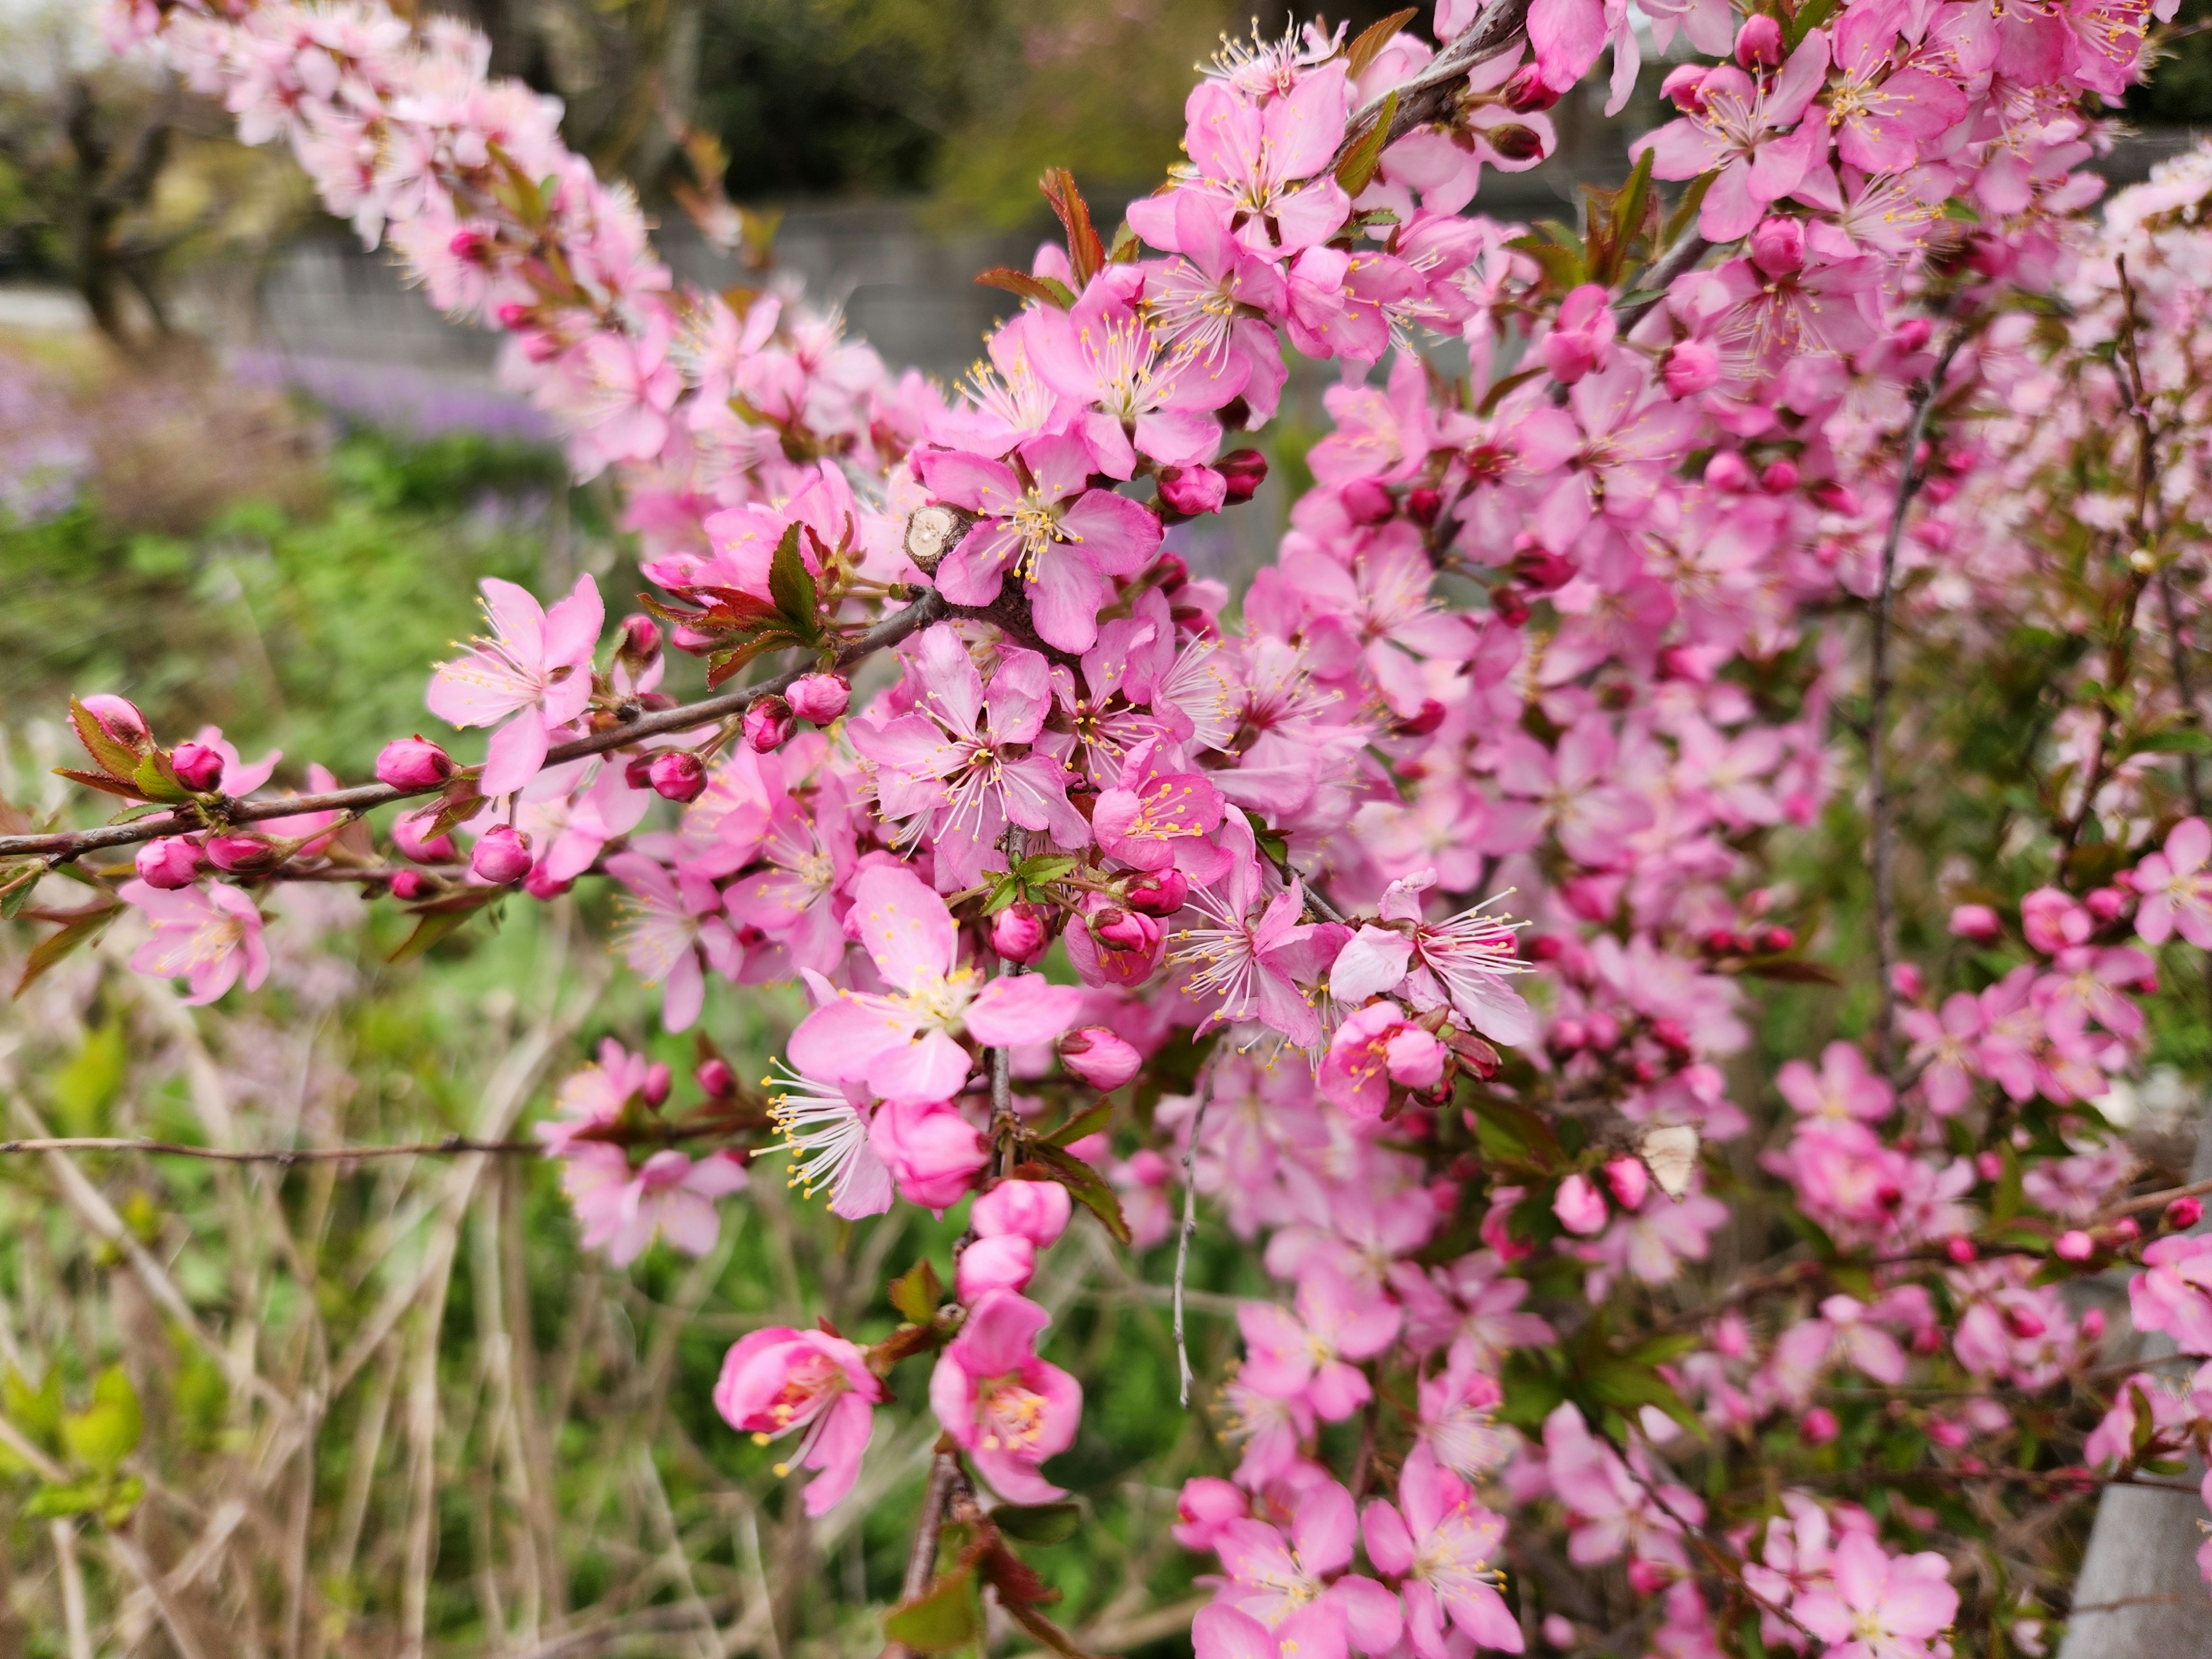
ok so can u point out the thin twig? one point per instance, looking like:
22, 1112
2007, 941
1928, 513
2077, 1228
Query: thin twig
66, 845
450, 1146
921, 1559
1183, 1238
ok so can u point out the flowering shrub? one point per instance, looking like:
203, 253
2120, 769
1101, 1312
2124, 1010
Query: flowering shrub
1416, 913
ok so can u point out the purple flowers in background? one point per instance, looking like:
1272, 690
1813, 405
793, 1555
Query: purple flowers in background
46, 450
400, 396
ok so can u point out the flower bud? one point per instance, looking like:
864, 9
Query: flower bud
119, 717
640, 639
1832, 497
2125, 1230
1124, 930
1173, 574
413, 762
1630, 1181
1243, 471
1977, 922
541, 883
715, 1079
1961, 1249
1422, 506
1693, 367
1542, 571
408, 835
676, 775
2106, 903
768, 725
1006, 1261
1424, 720
1728, 472
197, 766
409, 884
1366, 502
1820, 1425
241, 852
1513, 142
1528, 92
1904, 979
637, 772
1778, 478
2093, 1325
2074, 1245
820, 697
168, 863
1758, 42
1671, 1034
1159, 892
1036, 1210
1193, 490
1509, 607
1989, 1165
2182, 1214
502, 856
1683, 87
1579, 1206
1098, 1056
1778, 245
657, 1081
1603, 1029
1019, 933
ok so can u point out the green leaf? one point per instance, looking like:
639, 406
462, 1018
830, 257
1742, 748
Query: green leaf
1686, 210
1049, 290
86, 1088
57, 945
1619, 1381
1508, 1131
790, 584
1044, 867
1810, 16
1370, 41
2174, 740
2008, 1200
1791, 970
17, 883
916, 1293
58, 1503
103, 1433
157, 780
1357, 170
1532, 1392
37, 1411
1125, 247
1500, 388
119, 760
1631, 205
944, 1617
1004, 892
430, 927
1084, 1185
1038, 1523
1084, 1123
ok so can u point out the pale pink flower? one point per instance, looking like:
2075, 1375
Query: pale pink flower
779, 1381
534, 674
1265, 169
209, 935
1294, 1588
594, 1097
1312, 1353
1464, 961
1842, 1088
902, 1042
621, 1209
1458, 1416
1880, 1606
1443, 1544
669, 922
826, 1128
2173, 1293
2176, 889
995, 1396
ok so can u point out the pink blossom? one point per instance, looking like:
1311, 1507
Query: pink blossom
1294, 1589
1159, 812
1580, 1205
1141, 397
1842, 1088
1311, 1352
595, 1097
2176, 889
670, 922
1036, 1210
1009, 1408
1060, 539
1464, 961
777, 1381
534, 674
623, 1209
931, 1151
209, 935
1458, 1422
1880, 1606
1374, 1049
902, 1042
1245, 954
1264, 169
1443, 1544
826, 1127
1743, 127
2173, 1293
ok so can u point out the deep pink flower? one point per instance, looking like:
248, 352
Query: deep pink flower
901, 1043
932, 1151
1265, 169
1376, 1047
534, 674
1038, 519
1744, 127
1443, 1544
209, 935
1141, 396
1881, 114
594, 1097
995, 1396
779, 1381
1160, 813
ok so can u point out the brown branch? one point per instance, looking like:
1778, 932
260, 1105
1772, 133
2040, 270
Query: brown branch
451, 1145
1425, 97
70, 844
921, 1559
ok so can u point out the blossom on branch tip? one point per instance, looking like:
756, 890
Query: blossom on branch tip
781, 1380
1007, 1408
534, 674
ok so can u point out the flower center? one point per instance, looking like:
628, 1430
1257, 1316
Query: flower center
1013, 1415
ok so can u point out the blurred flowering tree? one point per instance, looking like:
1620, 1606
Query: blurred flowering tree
1419, 920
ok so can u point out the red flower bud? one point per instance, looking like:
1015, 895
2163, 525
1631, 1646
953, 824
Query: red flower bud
1527, 92
409, 885
1513, 142
197, 766
1758, 42
1174, 574
1366, 502
657, 1082
1728, 472
242, 853
1019, 933
676, 775
502, 856
768, 725
413, 762
1959, 1250
1244, 470
1541, 571
1821, 1427
1420, 724
1193, 491
1510, 608
168, 863
1159, 892
1422, 506
820, 697
1776, 938
715, 1079
641, 638
1099, 1057
2182, 1214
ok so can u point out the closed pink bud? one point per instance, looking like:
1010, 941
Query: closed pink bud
1603, 1029
1423, 506
1243, 471
1170, 573
413, 764
1758, 42
1007, 1262
1820, 1425
1692, 367
407, 834
1950, 1435
1579, 1206
1036, 1210
1018, 933
1098, 1056
502, 856
1509, 606
1989, 1165
2074, 1245
168, 863
119, 717
1779, 477
2125, 1229
1159, 892
542, 883
1728, 472
2093, 1325
1904, 979
715, 1079
637, 772
1778, 245
1977, 922
2106, 903
1366, 502
1513, 142
641, 638
1541, 570
1629, 1180
933, 1153
2183, 1214
678, 774
197, 766
768, 725
655, 1087
1528, 92
1124, 930
1193, 490
241, 852
820, 697
409, 885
